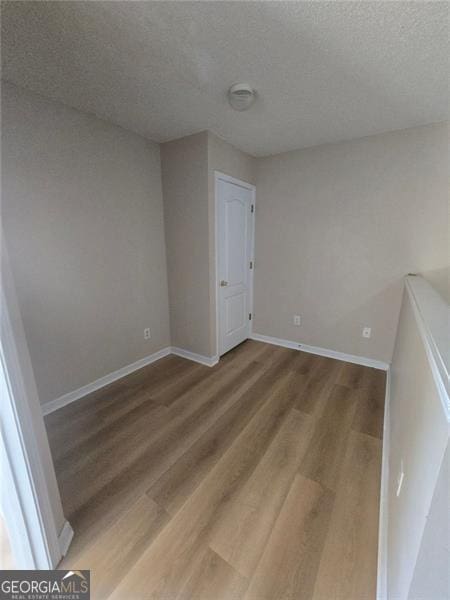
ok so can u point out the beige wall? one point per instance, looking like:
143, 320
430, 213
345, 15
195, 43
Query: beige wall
83, 216
184, 165
228, 160
418, 435
337, 227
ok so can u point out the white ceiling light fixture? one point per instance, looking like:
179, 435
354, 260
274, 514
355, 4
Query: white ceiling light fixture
241, 96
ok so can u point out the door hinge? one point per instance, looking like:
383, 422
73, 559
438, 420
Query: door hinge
251, 264
249, 316
253, 208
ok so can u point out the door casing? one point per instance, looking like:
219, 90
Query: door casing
219, 176
29, 498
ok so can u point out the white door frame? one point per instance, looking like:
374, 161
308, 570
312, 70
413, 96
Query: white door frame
219, 176
39, 534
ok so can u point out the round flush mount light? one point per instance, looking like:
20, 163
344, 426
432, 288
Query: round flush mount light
241, 96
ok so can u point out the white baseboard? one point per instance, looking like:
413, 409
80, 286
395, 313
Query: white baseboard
382, 590
65, 538
209, 361
358, 360
53, 405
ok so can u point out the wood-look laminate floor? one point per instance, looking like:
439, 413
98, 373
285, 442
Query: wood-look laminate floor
257, 479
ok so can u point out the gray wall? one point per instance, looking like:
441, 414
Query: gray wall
83, 215
338, 226
184, 165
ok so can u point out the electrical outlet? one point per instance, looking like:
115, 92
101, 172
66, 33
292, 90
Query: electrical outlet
297, 320
400, 478
367, 332
147, 333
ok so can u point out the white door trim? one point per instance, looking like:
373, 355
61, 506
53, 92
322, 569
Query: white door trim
31, 517
219, 176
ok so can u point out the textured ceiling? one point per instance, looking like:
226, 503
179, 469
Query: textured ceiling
324, 71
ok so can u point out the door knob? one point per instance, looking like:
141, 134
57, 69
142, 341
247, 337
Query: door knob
223, 283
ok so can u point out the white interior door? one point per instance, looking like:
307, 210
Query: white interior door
235, 262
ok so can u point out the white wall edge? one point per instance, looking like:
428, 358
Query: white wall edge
435, 360
358, 360
65, 538
30, 500
208, 361
382, 588
53, 405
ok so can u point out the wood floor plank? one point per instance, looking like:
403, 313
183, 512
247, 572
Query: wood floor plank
250, 350
204, 509
257, 352
288, 567
117, 549
326, 451
245, 528
109, 493
212, 578
105, 464
158, 372
369, 415
254, 478
149, 431
111, 395
178, 386
83, 420
352, 375
107, 442
348, 565
323, 373
177, 483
